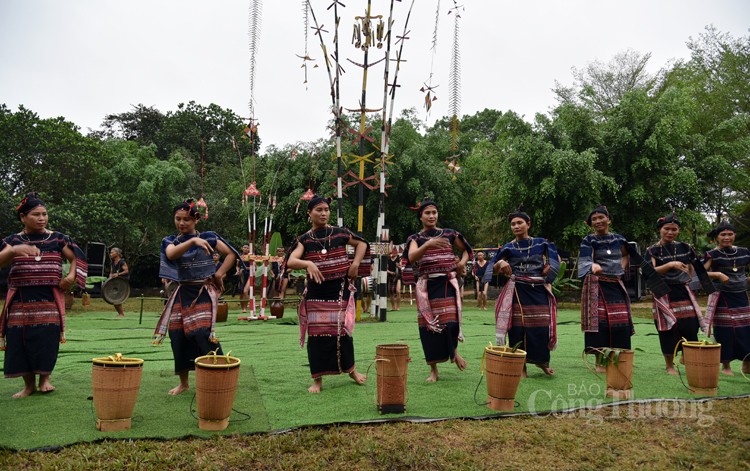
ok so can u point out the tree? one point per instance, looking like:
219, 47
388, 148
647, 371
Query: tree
141, 125
49, 156
210, 130
523, 167
717, 77
600, 86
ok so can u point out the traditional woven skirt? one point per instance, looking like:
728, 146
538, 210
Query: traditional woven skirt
190, 327
615, 322
530, 322
33, 333
731, 325
687, 320
392, 285
439, 347
329, 350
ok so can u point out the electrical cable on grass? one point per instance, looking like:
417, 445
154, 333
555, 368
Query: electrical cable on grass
192, 412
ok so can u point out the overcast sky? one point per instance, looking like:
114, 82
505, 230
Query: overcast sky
84, 59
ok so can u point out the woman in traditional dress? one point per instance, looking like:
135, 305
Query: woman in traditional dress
394, 280
728, 310
279, 275
243, 273
480, 267
327, 311
605, 306
526, 310
676, 315
408, 279
119, 269
438, 294
32, 322
190, 312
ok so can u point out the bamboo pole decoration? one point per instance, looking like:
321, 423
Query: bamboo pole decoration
454, 84
334, 75
267, 231
364, 37
389, 90
255, 10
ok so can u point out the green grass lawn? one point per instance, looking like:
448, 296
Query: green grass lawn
274, 378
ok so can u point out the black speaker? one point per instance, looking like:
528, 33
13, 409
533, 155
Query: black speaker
96, 254
633, 281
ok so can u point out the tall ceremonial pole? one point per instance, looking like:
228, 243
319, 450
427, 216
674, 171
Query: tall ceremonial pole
253, 32
267, 231
385, 158
364, 37
334, 77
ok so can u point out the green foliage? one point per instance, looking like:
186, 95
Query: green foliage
90, 280
275, 243
607, 355
643, 145
563, 282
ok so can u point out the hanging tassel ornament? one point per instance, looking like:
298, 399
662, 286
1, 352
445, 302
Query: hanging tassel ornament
201, 203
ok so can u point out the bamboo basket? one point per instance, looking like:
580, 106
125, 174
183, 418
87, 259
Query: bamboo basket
216, 379
702, 365
620, 375
115, 381
392, 362
222, 311
504, 369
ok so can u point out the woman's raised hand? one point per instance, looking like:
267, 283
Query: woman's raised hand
314, 273
203, 244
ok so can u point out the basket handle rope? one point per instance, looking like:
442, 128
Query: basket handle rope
676, 363
215, 355
117, 357
597, 351
375, 394
481, 375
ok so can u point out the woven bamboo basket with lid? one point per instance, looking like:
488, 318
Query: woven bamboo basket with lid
702, 366
115, 382
392, 362
216, 378
504, 366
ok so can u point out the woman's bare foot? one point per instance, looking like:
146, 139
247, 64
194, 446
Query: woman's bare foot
179, 389
459, 361
44, 385
727, 371
600, 369
29, 387
316, 386
746, 366
547, 370
26, 391
183, 386
524, 373
433, 374
358, 377
671, 371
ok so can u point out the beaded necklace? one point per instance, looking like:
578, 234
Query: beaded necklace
325, 240
180, 239
672, 255
734, 257
24, 237
423, 233
517, 246
609, 243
